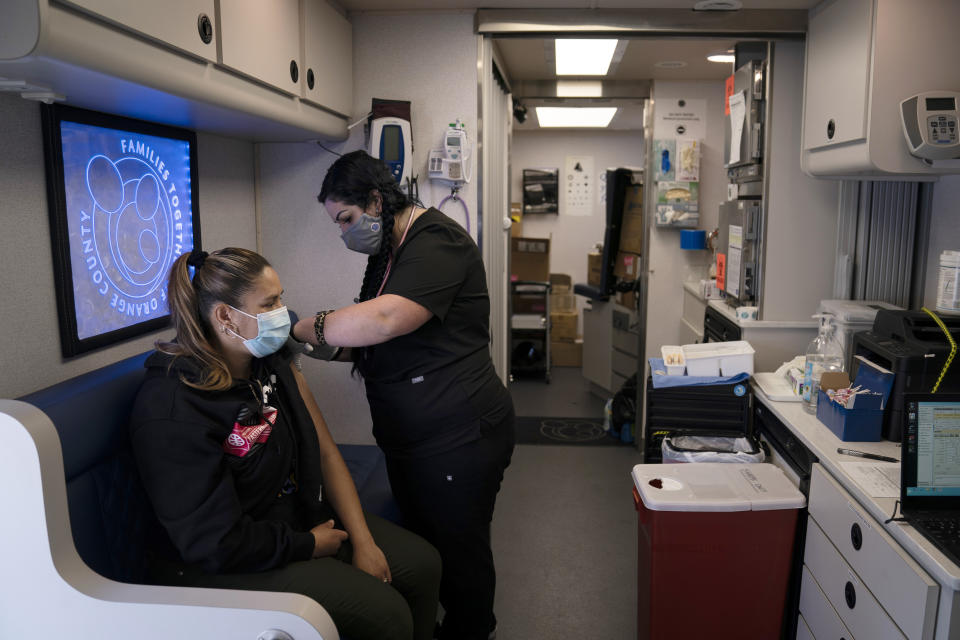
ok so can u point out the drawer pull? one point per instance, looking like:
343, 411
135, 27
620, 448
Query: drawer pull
856, 536
850, 595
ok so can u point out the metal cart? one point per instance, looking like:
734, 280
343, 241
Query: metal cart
530, 329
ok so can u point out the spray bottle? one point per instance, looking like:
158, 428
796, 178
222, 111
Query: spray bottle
823, 354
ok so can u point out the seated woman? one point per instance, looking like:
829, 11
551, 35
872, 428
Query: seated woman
243, 474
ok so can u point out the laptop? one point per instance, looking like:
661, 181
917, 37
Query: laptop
930, 468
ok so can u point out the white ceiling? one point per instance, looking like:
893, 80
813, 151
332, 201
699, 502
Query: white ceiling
529, 59
437, 5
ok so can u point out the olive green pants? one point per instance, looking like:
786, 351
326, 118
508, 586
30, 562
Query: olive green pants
362, 607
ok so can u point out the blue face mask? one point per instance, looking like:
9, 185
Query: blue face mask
273, 328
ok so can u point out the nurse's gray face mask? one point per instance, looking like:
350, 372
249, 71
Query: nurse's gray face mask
364, 236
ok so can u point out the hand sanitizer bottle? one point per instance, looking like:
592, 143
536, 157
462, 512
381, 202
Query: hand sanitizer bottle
823, 354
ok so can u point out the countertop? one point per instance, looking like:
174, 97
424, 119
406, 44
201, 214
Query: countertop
823, 444
728, 312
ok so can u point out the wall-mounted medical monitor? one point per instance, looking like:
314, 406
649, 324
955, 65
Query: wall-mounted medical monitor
122, 196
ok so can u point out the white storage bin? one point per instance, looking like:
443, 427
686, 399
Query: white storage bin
718, 358
673, 359
852, 316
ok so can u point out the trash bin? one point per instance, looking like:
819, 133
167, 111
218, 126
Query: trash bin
711, 448
715, 542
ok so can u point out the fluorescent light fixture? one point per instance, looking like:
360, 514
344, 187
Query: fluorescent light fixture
579, 89
588, 57
721, 56
575, 116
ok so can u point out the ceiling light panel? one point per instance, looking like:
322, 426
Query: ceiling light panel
584, 57
579, 89
598, 117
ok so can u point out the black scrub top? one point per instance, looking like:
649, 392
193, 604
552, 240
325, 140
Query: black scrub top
435, 388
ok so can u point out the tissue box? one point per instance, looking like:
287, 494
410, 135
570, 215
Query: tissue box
864, 421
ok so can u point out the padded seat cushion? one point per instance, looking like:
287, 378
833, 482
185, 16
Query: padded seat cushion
110, 514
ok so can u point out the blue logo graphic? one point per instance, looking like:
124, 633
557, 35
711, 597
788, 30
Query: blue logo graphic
129, 216
739, 390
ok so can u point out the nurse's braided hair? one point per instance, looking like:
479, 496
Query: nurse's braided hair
356, 178
222, 276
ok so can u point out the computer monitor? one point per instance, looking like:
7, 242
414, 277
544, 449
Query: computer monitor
123, 206
930, 472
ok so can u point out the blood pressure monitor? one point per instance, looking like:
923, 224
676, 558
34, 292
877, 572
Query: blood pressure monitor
930, 124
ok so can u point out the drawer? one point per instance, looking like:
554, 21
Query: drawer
803, 631
856, 606
817, 614
626, 341
623, 363
901, 586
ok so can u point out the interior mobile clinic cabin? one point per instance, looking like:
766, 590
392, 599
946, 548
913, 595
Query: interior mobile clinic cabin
261, 84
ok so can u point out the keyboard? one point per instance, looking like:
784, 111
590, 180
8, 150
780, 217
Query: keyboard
942, 531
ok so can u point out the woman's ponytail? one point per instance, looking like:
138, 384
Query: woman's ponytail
222, 276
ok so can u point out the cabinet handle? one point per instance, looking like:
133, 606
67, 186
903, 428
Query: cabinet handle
205, 28
294, 71
831, 129
856, 536
850, 595
309, 78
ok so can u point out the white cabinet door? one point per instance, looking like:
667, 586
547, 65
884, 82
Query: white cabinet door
328, 57
261, 39
182, 24
901, 586
837, 78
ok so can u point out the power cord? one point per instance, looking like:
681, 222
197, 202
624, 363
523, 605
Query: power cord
953, 347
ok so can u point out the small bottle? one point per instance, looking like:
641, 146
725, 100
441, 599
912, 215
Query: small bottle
823, 354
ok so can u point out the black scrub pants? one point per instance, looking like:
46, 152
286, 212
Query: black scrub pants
448, 499
362, 607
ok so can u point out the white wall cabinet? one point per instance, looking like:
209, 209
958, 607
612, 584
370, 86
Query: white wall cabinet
188, 25
864, 57
328, 57
262, 40
854, 569
150, 61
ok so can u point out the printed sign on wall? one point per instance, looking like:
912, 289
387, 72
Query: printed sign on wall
578, 185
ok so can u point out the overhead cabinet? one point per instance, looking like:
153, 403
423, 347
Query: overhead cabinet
262, 40
278, 70
187, 25
328, 57
863, 57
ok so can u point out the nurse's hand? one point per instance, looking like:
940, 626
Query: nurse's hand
326, 539
369, 558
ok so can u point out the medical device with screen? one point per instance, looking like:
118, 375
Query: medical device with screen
932, 447
122, 197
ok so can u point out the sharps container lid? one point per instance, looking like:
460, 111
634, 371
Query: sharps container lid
715, 486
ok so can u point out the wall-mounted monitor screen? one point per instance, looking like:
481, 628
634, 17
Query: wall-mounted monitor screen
122, 196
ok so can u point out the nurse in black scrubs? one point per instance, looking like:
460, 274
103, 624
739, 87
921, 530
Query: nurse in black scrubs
419, 335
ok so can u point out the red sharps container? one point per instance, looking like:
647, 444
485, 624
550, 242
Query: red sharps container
715, 541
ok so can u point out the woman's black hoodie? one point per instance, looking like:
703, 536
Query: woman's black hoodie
226, 510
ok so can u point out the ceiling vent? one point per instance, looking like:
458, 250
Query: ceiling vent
718, 5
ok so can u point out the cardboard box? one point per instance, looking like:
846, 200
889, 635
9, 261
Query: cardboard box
566, 354
627, 299
563, 302
594, 269
560, 283
631, 229
563, 326
530, 259
627, 266
516, 217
